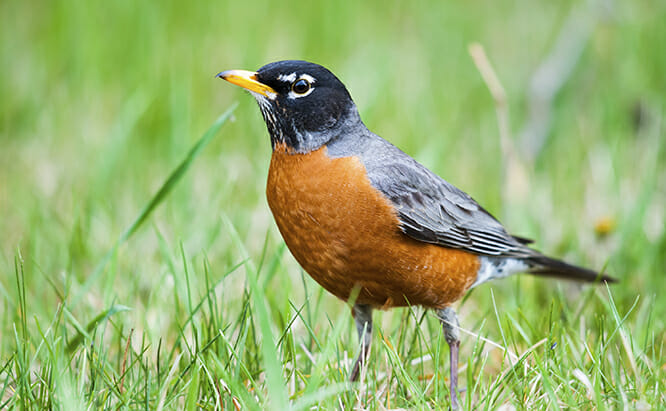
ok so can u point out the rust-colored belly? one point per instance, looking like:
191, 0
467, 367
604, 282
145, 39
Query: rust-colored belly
346, 235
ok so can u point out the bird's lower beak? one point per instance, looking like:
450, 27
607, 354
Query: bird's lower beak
247, 80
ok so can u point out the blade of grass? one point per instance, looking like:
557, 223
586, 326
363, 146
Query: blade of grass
277, 393
161, 194
85, 332
177, 174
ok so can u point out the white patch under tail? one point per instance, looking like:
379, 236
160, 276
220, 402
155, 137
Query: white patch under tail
495, 267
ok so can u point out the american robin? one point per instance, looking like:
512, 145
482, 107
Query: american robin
367, 221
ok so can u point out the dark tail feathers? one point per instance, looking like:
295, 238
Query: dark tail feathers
542, 265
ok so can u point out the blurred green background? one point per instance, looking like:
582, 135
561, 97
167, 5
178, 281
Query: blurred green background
101, 100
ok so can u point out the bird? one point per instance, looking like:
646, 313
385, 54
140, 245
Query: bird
368, 222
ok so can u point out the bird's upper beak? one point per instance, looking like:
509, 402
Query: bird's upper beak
248, 80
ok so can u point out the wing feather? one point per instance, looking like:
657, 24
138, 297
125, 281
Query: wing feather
433, 211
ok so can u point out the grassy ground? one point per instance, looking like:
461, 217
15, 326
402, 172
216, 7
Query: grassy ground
199, 304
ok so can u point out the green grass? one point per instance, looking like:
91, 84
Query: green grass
121, 287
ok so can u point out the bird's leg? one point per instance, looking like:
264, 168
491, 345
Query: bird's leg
449, 319
363, 318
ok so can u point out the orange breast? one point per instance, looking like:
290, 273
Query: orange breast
346, 235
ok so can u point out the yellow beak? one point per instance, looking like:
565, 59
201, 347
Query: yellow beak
247, 80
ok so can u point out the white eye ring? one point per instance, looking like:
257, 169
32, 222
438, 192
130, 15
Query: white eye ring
298, 85
301, 86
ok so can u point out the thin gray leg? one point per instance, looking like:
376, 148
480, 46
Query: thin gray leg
363, 318
449, 319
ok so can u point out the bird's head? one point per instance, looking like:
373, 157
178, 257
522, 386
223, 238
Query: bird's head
304, 105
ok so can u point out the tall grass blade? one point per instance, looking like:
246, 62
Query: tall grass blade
161, 194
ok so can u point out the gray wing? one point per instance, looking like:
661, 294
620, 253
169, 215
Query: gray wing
434, 211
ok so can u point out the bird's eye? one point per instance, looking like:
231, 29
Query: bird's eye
300, 86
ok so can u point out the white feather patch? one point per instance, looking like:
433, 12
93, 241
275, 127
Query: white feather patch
287, 78
308, 77
258, 96
492, 268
